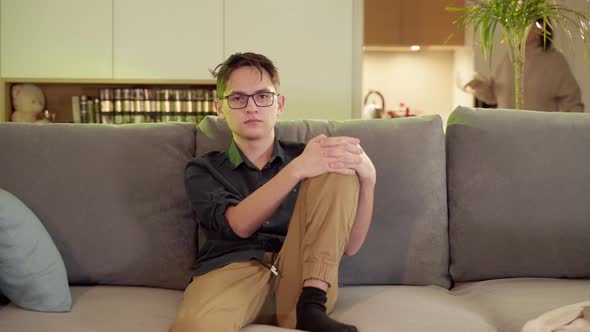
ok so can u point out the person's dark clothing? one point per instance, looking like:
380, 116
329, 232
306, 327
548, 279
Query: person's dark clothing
218, 180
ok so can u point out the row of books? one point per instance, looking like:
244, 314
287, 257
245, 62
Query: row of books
143, 108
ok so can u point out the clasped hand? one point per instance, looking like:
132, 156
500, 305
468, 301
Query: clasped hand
339, 154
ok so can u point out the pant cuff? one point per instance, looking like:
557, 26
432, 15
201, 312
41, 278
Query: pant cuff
320, 271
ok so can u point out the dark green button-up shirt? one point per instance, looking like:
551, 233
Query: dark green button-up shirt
218, 180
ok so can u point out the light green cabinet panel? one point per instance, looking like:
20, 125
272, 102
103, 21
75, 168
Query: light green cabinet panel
56, 39
313, 45
174, 39
2, 102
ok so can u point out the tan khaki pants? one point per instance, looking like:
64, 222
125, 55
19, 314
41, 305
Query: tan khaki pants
226, 299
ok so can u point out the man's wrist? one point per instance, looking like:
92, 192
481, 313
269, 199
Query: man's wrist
367, 182
292, 171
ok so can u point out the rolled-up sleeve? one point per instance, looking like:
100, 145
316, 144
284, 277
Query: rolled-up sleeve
210, 198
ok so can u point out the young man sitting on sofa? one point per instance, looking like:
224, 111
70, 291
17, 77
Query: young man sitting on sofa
277, 216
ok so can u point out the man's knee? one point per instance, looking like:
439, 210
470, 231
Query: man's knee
332, 194
335, 182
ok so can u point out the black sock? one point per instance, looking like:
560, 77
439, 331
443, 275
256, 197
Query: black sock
311, 313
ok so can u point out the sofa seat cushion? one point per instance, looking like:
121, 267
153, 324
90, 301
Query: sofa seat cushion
509, 303
402, 308
407, 308
101, 309
134, 309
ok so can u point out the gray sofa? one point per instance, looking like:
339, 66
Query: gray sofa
476, 229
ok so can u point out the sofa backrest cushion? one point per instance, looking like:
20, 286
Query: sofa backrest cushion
518, 186
408, 240
111, 197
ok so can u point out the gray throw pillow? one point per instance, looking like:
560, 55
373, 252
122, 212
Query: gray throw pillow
32, 273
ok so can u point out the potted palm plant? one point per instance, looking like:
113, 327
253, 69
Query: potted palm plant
514, 18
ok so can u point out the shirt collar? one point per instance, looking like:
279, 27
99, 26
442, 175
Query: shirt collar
237, 157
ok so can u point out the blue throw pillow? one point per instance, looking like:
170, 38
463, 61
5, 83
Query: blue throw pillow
32, 273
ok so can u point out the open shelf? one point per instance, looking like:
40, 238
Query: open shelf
59, 92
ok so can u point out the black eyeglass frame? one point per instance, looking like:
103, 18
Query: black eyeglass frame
272, 93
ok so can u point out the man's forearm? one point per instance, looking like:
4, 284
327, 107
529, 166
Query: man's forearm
362, 220
246, 217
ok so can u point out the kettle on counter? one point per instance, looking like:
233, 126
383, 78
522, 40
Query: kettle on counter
374, 105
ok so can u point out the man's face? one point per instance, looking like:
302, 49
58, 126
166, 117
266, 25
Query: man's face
250, 122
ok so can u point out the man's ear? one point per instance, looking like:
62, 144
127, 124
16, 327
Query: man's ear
281, 104
217, 105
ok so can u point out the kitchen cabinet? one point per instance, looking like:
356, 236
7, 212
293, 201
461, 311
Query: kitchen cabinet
411, 22
313, 45
59, 39
174, 39
382, 24
111, 39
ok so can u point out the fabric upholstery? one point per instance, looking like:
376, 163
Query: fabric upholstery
407, 243
509, 303
372, 309
101, 309
490, 306
518, 184
408, 308
32, 272
111, 197
517, 191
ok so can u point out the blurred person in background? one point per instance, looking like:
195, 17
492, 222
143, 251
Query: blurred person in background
549, 84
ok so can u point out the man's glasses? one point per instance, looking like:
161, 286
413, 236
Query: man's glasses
261, 99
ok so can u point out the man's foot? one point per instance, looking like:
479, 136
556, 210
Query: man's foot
311, 313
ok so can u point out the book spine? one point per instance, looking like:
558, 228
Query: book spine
76, 109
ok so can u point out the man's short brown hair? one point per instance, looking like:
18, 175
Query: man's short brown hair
238, 60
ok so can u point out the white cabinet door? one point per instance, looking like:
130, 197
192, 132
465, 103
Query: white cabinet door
174, 39
56, 39
313, 45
